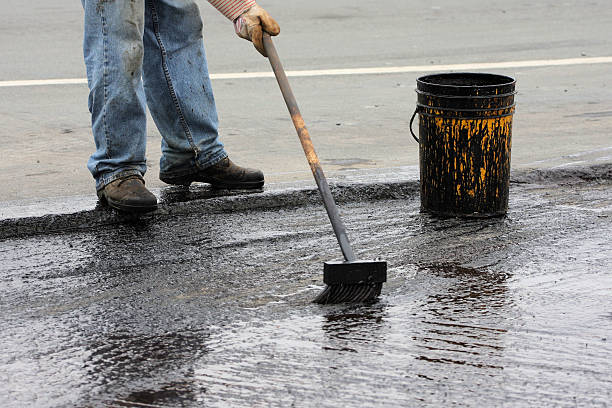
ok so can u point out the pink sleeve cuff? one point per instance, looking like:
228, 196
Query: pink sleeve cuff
232, 9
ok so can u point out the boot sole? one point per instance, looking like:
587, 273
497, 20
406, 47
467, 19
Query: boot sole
134, 209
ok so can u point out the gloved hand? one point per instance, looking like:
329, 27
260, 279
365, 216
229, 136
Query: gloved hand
252, 23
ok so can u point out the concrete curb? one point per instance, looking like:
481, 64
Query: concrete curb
565, 174
177, 202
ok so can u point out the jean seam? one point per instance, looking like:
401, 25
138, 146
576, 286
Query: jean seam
175, 100
105, 85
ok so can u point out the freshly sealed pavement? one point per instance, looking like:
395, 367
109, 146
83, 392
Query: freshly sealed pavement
208, 302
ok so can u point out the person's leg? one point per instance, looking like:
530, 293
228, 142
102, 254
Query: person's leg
178, 89
180, 98
113, 51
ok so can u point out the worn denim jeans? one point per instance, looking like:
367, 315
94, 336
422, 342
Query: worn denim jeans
143, 53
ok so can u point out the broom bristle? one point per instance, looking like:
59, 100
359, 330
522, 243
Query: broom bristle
355, 293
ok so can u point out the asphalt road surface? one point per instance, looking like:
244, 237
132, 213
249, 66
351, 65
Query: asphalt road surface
564, 113
213, 308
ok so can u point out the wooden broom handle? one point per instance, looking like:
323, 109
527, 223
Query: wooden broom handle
311, 155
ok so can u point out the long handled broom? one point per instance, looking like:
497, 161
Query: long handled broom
352, 280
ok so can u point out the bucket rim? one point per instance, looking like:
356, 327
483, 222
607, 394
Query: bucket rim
505, 80
442, 96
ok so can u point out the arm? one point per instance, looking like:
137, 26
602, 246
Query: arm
250, 20
232, 9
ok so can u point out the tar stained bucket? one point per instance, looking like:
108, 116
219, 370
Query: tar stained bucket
465, 138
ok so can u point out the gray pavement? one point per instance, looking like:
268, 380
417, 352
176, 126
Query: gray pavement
357, 122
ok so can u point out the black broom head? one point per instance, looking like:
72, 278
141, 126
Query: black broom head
352, 282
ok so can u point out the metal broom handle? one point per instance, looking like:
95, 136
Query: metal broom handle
311, 155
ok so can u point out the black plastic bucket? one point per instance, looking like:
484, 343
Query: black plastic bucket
465, 138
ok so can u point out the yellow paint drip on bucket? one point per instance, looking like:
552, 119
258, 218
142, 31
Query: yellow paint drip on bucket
465, 131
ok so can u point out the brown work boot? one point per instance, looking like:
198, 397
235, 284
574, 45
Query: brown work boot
128, 194
224, 174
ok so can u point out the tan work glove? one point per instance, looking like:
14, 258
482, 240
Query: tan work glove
252, 23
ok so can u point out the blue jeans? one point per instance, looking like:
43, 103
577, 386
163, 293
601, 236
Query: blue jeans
143, 53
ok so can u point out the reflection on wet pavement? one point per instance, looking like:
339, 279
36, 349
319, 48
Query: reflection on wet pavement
214, 309
119, 358
465, 293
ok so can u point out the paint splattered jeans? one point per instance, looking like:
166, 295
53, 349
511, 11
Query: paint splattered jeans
143, 53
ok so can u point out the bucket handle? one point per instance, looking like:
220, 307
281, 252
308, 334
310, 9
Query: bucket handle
411, 121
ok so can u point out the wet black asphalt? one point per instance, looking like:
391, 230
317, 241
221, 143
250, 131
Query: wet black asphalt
208, 302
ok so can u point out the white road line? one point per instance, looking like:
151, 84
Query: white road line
43, 82
357, 71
